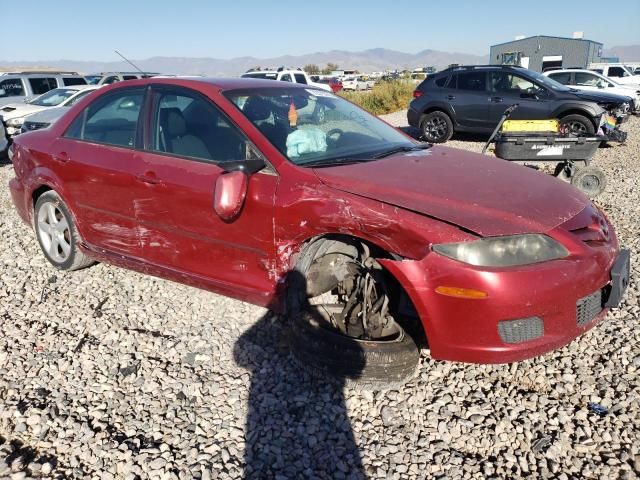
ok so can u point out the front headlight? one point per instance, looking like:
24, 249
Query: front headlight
504, 251
15, 122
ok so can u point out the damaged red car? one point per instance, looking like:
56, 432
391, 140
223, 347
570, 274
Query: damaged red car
290, 197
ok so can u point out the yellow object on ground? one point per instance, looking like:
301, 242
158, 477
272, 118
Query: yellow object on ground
552, 125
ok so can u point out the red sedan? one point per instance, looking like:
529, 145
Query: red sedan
290, 197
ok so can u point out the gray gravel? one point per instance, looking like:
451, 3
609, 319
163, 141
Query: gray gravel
105, 373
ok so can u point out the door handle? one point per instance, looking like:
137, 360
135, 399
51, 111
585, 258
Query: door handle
62, 157
496, 99
149, 177
451, 97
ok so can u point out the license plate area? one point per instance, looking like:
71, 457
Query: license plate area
619, 279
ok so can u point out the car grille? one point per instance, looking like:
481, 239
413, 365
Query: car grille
588, 308
521, 330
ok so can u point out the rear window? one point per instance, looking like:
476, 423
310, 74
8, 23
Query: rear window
42, 85
69, 81
472, 81
130, 77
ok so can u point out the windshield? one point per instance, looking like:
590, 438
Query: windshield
53, 97
93, 79
313, 127
548, 82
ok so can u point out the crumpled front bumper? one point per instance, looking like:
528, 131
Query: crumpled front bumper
560, 293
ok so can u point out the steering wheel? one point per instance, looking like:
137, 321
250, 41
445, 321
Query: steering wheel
334, 135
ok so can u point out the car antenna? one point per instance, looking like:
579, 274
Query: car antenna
129, 62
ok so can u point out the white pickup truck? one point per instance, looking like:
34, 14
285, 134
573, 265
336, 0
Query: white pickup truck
293, 76
618, 72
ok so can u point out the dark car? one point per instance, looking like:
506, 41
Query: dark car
472, 99
360, 234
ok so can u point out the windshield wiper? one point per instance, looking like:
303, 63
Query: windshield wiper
334, 162
422, 146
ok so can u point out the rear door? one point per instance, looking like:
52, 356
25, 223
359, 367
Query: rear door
190, 141
466, 92
94, 159
507, 88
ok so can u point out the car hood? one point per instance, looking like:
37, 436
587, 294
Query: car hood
48, 115
485, 195
17, 110
601, 97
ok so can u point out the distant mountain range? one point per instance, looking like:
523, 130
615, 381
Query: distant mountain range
376, 59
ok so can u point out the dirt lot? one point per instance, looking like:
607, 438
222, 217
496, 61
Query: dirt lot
105, 373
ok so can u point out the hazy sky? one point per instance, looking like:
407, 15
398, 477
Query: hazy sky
91, 30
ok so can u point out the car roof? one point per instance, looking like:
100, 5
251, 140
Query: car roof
220, 83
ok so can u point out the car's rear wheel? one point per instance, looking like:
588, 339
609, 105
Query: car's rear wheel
343, 325
57, 234
577, 125
436, 127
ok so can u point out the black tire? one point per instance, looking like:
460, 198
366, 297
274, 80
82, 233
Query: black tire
578, 125
361, 364
328, 353
589, 180
436, 127
59, 224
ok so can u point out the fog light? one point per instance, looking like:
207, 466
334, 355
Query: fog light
521, 330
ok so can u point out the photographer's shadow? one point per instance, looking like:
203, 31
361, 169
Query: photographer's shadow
297, 424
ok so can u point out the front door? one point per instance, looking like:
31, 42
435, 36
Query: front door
189, 143
506, 89
93, 159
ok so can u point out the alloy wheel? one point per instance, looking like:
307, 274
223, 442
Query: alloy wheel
54, 232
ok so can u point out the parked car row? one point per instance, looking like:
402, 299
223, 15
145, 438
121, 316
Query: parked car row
473, 99
29, 93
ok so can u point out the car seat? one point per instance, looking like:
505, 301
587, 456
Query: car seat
174, 136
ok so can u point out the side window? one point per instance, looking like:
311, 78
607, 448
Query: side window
192, 126
286, 78
11, 87
441, 82
112, 119
300, 78
130, 77
515, 85
616, 72
110, 79
42, 85
473, 81
562, 77
586, 79
69, 81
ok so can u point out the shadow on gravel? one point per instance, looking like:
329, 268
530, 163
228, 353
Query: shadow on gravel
297, 424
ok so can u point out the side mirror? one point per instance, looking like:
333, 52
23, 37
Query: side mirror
229, 194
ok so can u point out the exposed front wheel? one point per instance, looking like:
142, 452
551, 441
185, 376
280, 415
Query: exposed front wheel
436, 127
57, 233
343, 317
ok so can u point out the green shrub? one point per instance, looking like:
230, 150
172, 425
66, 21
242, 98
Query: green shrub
385, 97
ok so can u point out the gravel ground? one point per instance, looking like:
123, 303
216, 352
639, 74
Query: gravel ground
105, 373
